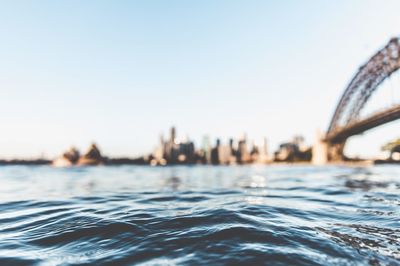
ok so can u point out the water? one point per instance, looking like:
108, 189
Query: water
200, 215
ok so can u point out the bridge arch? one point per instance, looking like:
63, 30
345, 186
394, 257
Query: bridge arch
346, 120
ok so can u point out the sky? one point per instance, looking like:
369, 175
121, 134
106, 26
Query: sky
121, 72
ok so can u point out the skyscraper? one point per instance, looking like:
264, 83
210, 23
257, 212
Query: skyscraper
172, 135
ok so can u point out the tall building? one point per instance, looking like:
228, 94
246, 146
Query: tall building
207, 149
233, 152
172, 135
243, 155
170, 149
264, 156
215, 153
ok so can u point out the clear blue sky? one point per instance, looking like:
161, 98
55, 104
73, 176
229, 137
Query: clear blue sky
121, 72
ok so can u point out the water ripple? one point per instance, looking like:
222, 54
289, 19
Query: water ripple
200, 215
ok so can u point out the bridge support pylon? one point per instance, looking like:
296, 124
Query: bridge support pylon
324, 151
319, 150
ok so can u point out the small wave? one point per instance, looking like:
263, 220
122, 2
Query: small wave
307, 216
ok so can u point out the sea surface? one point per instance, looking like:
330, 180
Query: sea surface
199, 215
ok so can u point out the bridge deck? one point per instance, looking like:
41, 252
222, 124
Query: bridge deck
359, 127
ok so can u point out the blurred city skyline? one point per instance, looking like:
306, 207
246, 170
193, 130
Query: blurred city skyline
120, 73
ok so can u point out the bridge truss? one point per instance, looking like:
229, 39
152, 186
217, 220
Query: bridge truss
366, 81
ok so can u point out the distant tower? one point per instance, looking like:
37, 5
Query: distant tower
218, 142
207, 149
233, 152
231, 146
215, 153
242, 153
173, 135
231, 142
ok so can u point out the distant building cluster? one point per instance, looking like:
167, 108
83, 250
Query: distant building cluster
172, 151
175, 151
293, 151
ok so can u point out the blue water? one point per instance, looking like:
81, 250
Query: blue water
250, 215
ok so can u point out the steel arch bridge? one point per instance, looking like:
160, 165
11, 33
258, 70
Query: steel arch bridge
346, 120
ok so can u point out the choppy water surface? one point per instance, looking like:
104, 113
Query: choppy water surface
198, 215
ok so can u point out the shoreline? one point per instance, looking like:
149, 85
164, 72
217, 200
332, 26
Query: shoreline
141, 162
